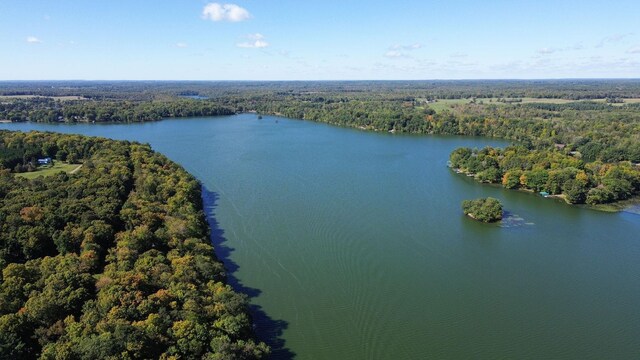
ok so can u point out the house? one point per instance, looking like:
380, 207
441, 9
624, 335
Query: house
44, 161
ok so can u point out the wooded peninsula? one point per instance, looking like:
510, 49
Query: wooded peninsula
112, 261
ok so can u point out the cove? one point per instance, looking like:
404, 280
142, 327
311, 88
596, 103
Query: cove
353, 245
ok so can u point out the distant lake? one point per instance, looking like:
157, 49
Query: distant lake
194, 97
353, 245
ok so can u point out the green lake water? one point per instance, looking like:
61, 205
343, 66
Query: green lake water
352, 245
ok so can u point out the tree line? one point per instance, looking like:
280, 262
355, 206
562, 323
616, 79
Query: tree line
550, 171
71, 111
573, 89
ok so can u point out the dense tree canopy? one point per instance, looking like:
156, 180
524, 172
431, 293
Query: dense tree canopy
551, 171
113, 261
484, 209
49, 110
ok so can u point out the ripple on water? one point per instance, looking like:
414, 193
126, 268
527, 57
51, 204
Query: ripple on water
633, 209
511, 220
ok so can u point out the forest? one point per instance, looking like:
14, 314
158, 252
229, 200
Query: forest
551, 172
589, 128
114, 261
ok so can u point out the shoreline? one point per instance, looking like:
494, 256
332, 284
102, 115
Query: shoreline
618, 206
614, 207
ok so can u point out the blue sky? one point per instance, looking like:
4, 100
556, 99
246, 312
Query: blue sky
317, 40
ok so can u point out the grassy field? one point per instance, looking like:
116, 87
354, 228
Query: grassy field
61, 98
444, 104
626, 101
565, 101
48, 171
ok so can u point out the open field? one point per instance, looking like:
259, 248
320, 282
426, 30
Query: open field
626, 101
443, 104
61, 98
48, 171
566, 101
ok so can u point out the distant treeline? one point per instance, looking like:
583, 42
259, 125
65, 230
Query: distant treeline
50, 110
574, 89
114, 261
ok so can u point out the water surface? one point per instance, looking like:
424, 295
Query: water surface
353, 246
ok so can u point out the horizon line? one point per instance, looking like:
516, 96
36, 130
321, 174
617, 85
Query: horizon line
325, 80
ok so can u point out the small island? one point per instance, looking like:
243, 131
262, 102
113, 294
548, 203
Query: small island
484, 209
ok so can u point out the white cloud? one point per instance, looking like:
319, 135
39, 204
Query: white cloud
406, 47
547, 51
612, 39
33, 40
256, 41
399, 51
255, 44
634, 50
182, 45
225, 12
594, 66
393, 54
553, 50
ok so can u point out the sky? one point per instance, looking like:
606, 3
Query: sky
318, 40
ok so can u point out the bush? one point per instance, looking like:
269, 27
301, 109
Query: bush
483, 209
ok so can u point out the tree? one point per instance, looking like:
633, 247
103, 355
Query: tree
483, 209
575, 191
490, 175
535, 179
511, 179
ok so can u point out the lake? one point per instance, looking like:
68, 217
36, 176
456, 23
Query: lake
352, 245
